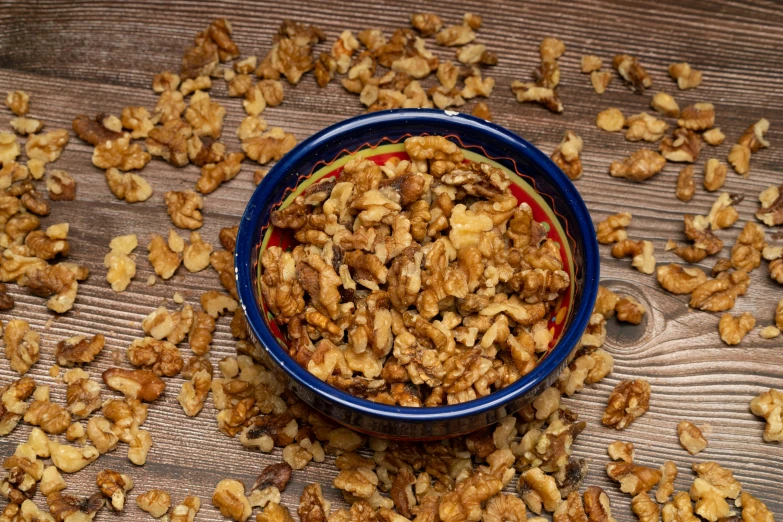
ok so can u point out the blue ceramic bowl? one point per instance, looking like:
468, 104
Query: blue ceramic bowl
537, 180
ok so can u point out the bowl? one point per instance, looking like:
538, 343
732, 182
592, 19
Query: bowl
380, 135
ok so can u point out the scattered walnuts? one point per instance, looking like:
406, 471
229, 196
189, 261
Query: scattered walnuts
229, 497
769, 405
691, 437
686, 77
156, 502
639, 166
628, 401
566, 155
184, 208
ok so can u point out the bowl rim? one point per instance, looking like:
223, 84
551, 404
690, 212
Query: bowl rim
251, 220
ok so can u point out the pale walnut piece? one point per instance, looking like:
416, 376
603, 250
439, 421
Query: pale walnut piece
18, 102
48, 146
680, 280
691, 437
26, 126
770, 211
769, 405
9, 148
531, 92
184, 208
121, 268
590, 63
686, 77
633, 479
120, 154
686, 187
713, 136
186, 511
600, 80
680, 509
566, 155
156, 502
645, 509
719, 477
746, 252
269, 146
665, 104
205, 116
619, 450
128, 186
754, 510
612, 229
645, 127
714, 174
628, 401
21, 345
455, 35
639, 166
134, 384
710, 503
630, 70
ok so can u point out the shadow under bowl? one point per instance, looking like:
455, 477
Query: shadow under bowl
536, 180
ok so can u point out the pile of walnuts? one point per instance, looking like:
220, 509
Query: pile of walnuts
419, 282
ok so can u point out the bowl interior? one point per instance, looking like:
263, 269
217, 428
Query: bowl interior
379, 136
523, 188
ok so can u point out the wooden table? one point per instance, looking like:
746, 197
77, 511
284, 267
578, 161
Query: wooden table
88, 57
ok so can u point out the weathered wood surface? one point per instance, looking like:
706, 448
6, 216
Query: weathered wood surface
85, 57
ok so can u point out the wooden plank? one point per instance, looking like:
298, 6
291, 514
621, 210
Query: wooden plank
88, 57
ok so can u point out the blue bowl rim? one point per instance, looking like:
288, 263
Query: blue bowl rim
251, 221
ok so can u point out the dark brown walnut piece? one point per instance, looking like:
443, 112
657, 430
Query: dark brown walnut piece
228, 237
628, 401
60, 186
276, 475
79, 349
597, 506
134, 384
92, 130
6, 301
63, 506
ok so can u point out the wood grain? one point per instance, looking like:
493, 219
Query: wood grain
85, 57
